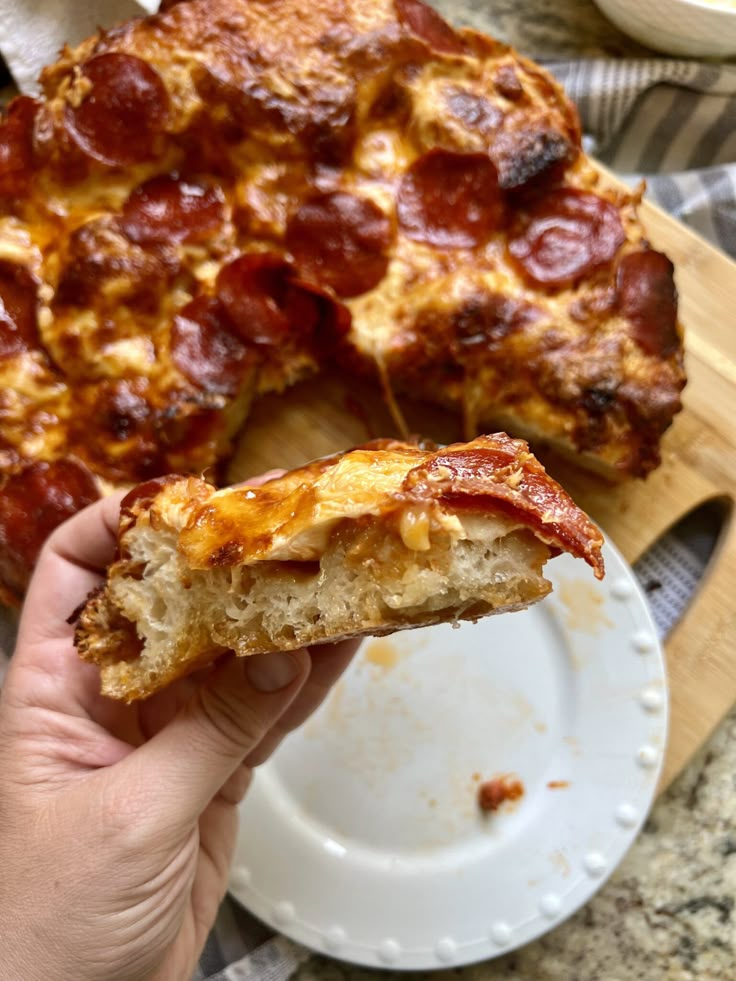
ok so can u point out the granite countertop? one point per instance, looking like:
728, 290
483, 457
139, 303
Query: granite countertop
668, 913
544, 28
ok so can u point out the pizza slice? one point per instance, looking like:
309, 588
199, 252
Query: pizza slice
381, 538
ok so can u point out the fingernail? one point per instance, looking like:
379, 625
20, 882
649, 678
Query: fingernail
270, 672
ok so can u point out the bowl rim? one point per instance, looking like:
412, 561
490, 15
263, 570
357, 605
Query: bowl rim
713, 7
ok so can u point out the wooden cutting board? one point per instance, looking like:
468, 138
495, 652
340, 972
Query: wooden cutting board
699, 464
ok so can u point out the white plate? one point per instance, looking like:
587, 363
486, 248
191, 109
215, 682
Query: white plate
362, 837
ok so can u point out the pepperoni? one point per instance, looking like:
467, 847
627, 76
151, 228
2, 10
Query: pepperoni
267, 304
647, 297
565, 236
205, 349
18, 328
340, 240
142, 496
334, 317
426, 23
121, 118
450, 199
16, 146
253, 291
32, 503
498, 473
167, 209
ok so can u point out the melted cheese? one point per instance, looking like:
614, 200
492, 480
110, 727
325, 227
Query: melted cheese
292, 520
464, 491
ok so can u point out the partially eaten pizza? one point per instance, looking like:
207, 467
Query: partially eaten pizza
386, 536
217, 201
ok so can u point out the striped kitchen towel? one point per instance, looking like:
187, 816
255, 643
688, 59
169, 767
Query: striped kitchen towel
673, 123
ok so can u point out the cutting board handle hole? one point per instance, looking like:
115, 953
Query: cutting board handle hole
675, 567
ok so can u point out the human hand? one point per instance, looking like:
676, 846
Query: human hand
119, 821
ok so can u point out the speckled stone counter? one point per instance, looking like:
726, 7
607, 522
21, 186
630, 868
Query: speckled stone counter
668, 913
544, 28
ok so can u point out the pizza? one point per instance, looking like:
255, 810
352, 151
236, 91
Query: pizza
383, 537
219, 200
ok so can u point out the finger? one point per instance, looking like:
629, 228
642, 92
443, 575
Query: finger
51, 676
236, 785
188, 761
329, 661
157, 712
69, 567
218, 829
90, 536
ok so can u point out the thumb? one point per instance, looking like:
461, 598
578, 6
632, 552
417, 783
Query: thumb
191, 758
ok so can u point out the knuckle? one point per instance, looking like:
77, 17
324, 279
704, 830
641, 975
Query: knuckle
235, 788
231, 721
123, 811
266, 747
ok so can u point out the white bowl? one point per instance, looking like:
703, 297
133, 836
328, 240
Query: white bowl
696, 28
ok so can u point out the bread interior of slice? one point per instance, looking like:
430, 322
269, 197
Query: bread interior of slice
368, 581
